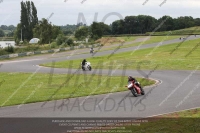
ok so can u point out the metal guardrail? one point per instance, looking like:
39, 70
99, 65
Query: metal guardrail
46, 51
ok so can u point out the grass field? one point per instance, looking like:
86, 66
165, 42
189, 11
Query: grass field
145, 39
185, 57
152, 39
139, 40
129, 38
187, 31
180, 122
19, 88
184, 121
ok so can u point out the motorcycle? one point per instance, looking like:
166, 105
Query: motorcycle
135, 88
91, 51
87, 66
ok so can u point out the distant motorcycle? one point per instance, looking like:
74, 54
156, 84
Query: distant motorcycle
91, 51
135, 88
87, 66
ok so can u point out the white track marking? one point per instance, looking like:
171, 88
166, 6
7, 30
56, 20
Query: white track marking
20, 61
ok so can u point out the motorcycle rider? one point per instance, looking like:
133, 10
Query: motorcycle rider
133, 80
137, 86
83, 63
91, 50
130, 78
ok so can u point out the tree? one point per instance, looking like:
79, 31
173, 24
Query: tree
34, 17
197, 22
11, 27
43, 31
81, 32
28, 20
70, 41
10, 34
17, 34
67, 32
80, 24
2, 34
55, 31
60, 39
105, 28
142, 23
68, 29
96, 30
4, 27
118, 27
167, 23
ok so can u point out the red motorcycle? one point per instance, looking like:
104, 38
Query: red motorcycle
135, 88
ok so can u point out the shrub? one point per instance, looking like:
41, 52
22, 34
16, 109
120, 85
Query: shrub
53, 45
60, 39
10, 49
70, 41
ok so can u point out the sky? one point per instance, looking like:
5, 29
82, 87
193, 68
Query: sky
63, 12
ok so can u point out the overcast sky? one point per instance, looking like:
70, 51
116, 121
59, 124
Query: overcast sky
64, 12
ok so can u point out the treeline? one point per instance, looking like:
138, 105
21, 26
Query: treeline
142, 23
68, 29
7, 30
5, 27
95, 31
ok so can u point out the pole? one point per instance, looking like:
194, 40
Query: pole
21, 35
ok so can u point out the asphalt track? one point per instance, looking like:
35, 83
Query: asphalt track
175, 91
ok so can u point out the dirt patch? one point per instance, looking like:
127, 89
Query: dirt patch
113, 40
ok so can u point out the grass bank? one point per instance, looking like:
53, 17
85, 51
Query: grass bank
186, 31
176, 56
22, 88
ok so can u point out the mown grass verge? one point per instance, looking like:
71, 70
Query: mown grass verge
22, 88
178, 56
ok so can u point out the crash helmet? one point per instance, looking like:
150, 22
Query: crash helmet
130, 78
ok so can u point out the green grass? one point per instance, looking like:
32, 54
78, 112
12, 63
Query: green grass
129, 38
187, 31
180, 122
184, 121
147, 58
30, 88
153, 39
194, 113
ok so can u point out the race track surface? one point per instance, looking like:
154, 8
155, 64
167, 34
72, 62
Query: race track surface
174, 91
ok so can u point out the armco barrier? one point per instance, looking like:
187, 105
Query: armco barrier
22, 54
50, 51
68, 48
62, 49
13, 55
56, 50
46, 51
37, 52
72, 48
4, 56
30, 53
